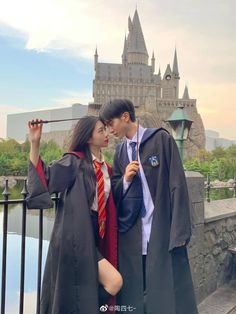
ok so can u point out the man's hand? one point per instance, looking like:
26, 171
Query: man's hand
131, 170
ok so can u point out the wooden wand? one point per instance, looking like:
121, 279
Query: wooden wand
50, 121
137, 145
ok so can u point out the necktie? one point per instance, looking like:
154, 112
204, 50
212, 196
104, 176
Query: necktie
133, 147
134, 157
100, 198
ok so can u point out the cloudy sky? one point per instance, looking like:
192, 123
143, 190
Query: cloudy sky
47, 48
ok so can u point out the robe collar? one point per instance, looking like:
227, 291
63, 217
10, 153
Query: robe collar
123, 154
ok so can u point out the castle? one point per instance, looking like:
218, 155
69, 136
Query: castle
154, 96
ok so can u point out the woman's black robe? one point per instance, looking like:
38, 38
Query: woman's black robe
70, 282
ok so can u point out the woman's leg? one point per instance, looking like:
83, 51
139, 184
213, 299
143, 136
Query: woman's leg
109, 277
110, 280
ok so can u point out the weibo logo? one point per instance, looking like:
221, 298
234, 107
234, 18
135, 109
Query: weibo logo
104, 308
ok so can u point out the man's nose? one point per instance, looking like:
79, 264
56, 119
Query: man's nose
111, 130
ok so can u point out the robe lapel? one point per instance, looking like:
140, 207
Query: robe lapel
123, 155
144, 153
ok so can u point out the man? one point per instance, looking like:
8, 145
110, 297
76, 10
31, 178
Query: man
151, 196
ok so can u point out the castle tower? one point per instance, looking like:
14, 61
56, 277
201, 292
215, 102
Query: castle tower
153, 62
186, 94
154, 96
176, 76
124, 54
170, 81
95, 59
136, 47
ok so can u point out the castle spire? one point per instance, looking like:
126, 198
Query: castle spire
124, 54
153, 62
136, 46
95, 58
175, 66
186, 94
168, 72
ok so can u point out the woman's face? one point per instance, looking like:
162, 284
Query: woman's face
100, 135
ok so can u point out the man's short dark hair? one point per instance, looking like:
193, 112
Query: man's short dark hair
115, 108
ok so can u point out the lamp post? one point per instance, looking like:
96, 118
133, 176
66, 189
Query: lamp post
180, 127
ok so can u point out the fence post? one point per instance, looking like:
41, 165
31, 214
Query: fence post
234, 186
39, 279
6, 194
208, 187
24, 193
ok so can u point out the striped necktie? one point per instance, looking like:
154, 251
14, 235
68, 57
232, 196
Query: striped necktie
100, 198
134, 157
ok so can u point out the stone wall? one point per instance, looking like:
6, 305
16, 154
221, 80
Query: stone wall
214, 231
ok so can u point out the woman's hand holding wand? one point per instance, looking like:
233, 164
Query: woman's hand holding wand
35, 132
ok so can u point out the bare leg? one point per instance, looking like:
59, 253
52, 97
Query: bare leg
109, 277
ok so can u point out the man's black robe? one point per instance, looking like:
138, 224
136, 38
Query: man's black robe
70, 281
169, 284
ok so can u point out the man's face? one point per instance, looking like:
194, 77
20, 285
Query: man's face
118, 126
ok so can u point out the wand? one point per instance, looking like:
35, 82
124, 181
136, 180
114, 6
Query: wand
50, 121
137, 153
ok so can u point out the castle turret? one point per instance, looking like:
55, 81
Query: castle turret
95, 59
175, 74
153, 62
186, 93
136, 47
124, 54
175, 66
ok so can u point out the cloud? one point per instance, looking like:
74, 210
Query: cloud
71, 97
61, 24
78, 26
204, 36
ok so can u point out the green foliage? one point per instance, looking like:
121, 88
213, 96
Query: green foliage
219, 164
108, 157
14, 156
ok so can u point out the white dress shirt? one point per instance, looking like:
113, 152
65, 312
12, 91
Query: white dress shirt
107, 183
148, 203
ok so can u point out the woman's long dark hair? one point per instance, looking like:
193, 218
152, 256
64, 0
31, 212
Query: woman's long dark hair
82, 132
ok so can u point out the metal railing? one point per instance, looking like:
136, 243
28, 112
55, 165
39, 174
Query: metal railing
6, 202
209, 187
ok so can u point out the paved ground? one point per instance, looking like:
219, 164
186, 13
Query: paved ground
222, 301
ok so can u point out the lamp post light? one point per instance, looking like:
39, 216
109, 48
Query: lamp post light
180, 127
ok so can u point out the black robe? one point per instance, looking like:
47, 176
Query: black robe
169, 287
70, 281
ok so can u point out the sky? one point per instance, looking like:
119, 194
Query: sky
47, 48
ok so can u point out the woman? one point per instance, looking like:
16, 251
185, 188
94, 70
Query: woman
80, 273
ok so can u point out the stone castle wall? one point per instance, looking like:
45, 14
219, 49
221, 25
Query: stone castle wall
214, 231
